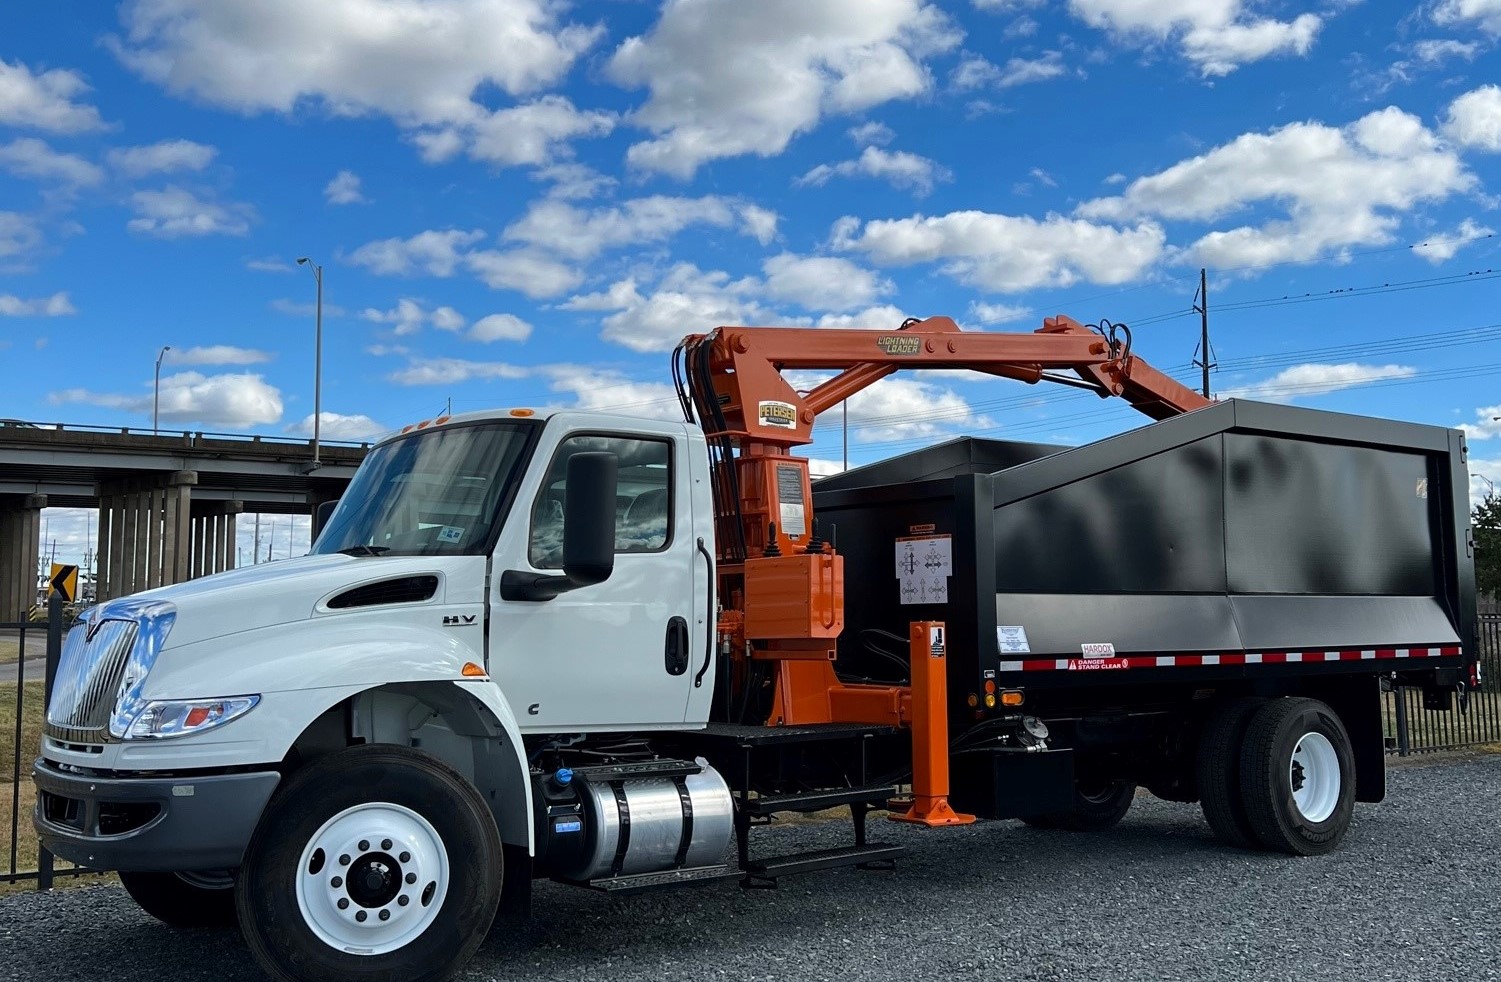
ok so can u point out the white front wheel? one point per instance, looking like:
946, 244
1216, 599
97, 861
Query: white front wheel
373, 878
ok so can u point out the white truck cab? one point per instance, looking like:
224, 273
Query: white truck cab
345, 735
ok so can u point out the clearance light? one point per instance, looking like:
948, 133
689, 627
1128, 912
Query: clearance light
473, 671
974, 700
989, 701
523, 413
989, 685
1013, 697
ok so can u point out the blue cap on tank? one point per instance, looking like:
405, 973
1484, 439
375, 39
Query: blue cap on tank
563, 775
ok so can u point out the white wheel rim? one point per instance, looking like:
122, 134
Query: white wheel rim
385, 862
1315, 777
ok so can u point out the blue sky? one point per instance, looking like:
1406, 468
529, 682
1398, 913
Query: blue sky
520, 202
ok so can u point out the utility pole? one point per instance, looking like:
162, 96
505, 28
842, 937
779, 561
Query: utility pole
256, 553
317, 355
846, 434
156, 389
1203, 354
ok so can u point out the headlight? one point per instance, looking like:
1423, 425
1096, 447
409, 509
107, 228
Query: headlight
181, 717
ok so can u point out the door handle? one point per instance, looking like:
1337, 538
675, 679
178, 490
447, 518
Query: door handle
677, 646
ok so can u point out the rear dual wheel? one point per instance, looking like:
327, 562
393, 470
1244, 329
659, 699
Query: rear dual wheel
1277, 774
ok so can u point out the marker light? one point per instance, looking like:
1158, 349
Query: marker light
1013, 697
523, 413
989, 701
160, 720
473, 671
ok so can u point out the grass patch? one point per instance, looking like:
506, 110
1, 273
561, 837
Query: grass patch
32, 711
10, 651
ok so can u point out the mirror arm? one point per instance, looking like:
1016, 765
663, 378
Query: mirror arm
517, 584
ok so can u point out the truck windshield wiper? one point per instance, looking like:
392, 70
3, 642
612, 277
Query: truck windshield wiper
364, 550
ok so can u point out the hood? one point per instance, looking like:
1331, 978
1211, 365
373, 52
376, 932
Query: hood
265, 595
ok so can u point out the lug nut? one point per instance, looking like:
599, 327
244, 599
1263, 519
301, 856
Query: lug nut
364, 845
343, 903
336, 882
405, 857
360, 916
403, 900
385, 845
343, 860
411, 877
385, 915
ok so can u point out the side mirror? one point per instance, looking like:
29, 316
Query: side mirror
321, 515
588, 533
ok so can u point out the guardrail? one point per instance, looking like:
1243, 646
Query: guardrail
190, 436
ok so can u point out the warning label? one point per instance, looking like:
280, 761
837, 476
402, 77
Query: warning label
1096, 664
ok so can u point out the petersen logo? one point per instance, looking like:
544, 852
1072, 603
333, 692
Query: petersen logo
779, 414
895, 344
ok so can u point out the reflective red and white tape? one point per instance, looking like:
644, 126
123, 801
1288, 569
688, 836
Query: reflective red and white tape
1197, 661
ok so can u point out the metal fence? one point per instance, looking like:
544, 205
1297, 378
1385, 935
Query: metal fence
1474, 721
32, 681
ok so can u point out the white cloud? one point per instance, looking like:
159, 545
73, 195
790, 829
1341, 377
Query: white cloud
535, 133
1302, 381
234, 400
269, 264
175, 212
727, 78
217, 354
407, 317
1485, 14
449, 371
1217, 35
871, 134
57, 305
19, 234
998, 313
1007, 253
1438, 248
1433, 52
759, 223
305, 308
1487, 424
576, 233
338, 426
33, 158
685, 300
426, 64
901, 407
1475, 119
882, 317
45, 100
1340, 187
975, 72
526, 271
605, 390
344, 189
500, 327
821, 282
573, 181
432, 252
161, 158
899, 168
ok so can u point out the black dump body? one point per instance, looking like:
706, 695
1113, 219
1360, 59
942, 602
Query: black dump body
1241, 542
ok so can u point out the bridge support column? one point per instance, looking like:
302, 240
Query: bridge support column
20, 551
213, 535
142, 533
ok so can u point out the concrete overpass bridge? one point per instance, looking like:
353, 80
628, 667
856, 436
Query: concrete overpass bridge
167, 501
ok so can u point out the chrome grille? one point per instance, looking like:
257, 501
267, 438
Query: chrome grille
88, 681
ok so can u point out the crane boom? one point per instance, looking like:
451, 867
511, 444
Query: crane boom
781, 586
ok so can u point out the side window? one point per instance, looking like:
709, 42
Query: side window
643, 512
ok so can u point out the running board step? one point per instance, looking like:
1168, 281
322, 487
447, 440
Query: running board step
641, 882
810, 862
813, 801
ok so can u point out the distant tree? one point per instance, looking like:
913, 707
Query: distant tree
1486, 520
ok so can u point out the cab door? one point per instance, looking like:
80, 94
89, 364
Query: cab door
620, 654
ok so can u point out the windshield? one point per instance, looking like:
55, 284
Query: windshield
440, 492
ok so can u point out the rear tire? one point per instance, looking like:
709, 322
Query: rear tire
1297, 776
185, 900
1219, 772
420, 852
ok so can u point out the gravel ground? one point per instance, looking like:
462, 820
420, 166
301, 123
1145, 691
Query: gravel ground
1410, 896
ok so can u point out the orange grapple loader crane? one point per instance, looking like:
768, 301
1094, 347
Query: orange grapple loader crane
781, 587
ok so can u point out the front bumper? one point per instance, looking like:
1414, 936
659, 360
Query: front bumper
149, 824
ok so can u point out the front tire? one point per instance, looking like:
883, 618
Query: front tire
204, 899
1297, 775
1097, 807
374, 863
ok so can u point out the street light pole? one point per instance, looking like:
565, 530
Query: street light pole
317, 354
156, 391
